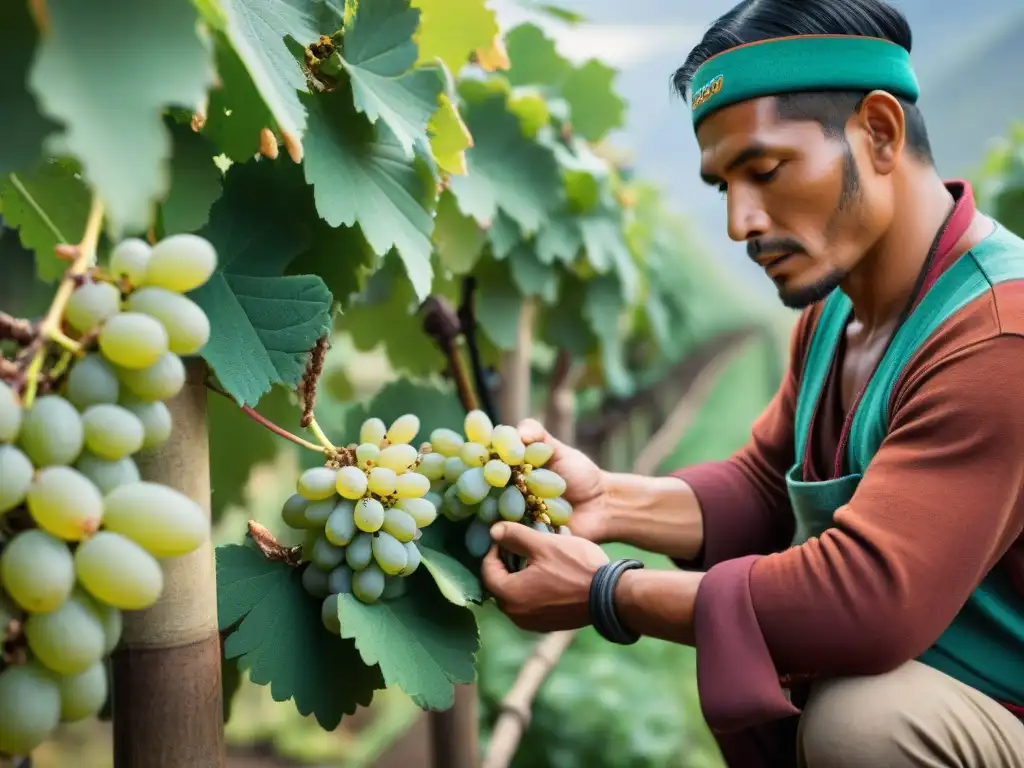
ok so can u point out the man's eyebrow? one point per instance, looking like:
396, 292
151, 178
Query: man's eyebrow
752, 152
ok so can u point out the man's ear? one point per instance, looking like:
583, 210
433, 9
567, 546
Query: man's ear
881, 120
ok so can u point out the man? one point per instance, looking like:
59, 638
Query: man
853, 578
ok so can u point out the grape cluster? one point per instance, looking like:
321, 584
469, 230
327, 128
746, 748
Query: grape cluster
82, 533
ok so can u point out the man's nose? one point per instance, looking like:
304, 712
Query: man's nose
747, 217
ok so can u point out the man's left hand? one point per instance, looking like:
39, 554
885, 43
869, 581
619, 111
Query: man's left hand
552, 593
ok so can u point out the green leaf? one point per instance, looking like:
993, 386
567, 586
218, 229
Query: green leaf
498, 303
236, 113
504, 235
263, 324
438, 37
98, 72
455, 581
195, 182
602, 309
435, 407
422, 643
48, 204
507, 171
378, 53
22, 294
559, 239
535, 60
606, 247
282, 641
531, 276
563, 324
596, 107
360, 174
338, 255
449, 136
459, 240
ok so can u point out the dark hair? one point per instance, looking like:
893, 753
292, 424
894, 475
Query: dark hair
755, 20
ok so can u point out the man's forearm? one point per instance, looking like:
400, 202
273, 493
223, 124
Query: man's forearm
658, 603
657, 514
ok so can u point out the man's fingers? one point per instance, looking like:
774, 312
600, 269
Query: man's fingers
518, 538
493, 572
532, 431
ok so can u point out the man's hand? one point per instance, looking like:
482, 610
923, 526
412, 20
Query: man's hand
552, 593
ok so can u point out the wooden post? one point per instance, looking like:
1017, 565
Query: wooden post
167, 685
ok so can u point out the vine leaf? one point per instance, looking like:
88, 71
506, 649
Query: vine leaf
263, 322
596, 107
459, 240
112, 112
535, 60
602, 309
498, 303
280, 638
449, 136
455, 581
438, 37
195, 182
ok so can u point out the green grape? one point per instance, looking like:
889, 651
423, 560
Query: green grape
399, 524
317, 483
389, 553
398, 457
69, 639
293, 512
8, 611
432, 466
453, 468
30, 701
329, 614
538, 454
10, 413
181, 263
161, 520
403, 429
454, 508
366, 455
119, 572
351, 482
511, 504
359, 553
478, 538
369, 515
488, 511
382, 481
559, 510
394, 587
160, 381
309, 540
51, 432
319, 512
83, 695
368, 584
129, 259
339, 581
472, 486
110, 619
435, 497
65, 503
325, 555
341, 525
132, 340
314, 581
15, 477
155, 417
497, 473
545, 483
474, 455
411, 485
112, 432
91, 381
542, 527
37, 570
413, 558
564, 530
422, 511
478, 427
372, 431
187, 326
508, 445
447, 442
92, 304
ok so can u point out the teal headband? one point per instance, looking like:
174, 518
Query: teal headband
802, 63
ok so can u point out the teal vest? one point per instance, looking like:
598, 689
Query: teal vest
984, 646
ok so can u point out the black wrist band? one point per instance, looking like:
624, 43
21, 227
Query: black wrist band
602, 602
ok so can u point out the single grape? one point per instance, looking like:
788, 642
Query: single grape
118, 571
382, 481
10, 413
545, 483
488, 511
453, 468
359, 553
314, 581
432, 466
436, 498
15, 477
351, 482
319, 512
398, 457
394, 587
411, 485
92, 380
478, 538
478, 427
83, 695
559, 510
542, 527
454, 508
325, 555
329, 614
511, 504
389, 553
447, 442
366, 455
69, 639
8, 611
309, 541
160, 381
497, 473
181, 263
30, 701
340, 527
112, 432
538, 454
37, 570
422, 511
51, 432
472, 486
372, 431
507, 444
293, 512
368, 584
91, 305
129, 259
132, 340
564, 530
161, 520
369, 515
403, 429
155, 417
339, 581
110, 619
399, 524
65, 503
187, 326
317, 483
474, 454
413, 558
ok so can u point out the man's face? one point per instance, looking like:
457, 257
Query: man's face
796, 197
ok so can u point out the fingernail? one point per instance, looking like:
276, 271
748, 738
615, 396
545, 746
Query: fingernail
497, 531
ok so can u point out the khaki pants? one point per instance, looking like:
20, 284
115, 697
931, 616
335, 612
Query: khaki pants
912, 717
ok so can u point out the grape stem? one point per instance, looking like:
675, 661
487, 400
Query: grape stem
264, 421
318, 433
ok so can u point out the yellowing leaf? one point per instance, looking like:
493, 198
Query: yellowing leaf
451, 30
449, 137
493, 57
